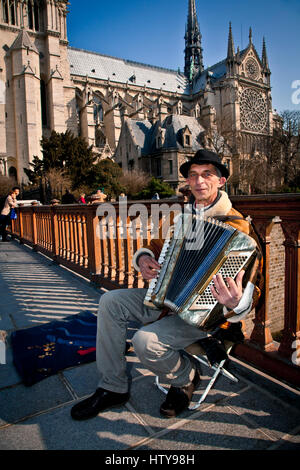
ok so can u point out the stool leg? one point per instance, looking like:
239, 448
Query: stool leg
161, 388
209, 386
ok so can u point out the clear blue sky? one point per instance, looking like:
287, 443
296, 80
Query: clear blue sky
152, 32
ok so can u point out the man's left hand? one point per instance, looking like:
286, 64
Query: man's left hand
229, 293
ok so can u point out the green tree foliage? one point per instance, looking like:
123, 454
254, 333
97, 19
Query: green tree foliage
155, 186
106, 175
64, 152
73, 157
36, 171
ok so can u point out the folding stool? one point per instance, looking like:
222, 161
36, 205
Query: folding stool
198, 353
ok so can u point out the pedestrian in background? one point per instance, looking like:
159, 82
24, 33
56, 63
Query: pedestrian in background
82, 200
5, 218
68, 198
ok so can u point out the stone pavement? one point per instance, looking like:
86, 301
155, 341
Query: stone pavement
257, 413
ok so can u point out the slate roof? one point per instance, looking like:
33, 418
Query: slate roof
216, 72
144, 133
100, 66
175, 124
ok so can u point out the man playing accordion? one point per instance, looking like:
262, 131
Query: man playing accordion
160, 341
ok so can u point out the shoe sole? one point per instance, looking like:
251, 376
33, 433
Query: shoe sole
100, 411
166, 415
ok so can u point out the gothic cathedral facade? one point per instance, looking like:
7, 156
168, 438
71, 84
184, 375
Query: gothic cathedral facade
142, 116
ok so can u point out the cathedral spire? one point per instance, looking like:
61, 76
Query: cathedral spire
230, 50
250, 35
231, 57
265, 62
193, 50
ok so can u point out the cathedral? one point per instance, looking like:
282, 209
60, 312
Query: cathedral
142, 116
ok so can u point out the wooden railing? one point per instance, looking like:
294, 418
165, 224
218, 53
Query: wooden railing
281, 360
101, 247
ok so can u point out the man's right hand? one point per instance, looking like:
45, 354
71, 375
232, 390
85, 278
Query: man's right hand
149, 267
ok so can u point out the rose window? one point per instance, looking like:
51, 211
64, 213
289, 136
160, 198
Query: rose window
253, 110
252, 69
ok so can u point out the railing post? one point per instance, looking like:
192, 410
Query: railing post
119, 251
93, 245
34, 233
54, 233
21, 226
291, 332
261, 334
128, 255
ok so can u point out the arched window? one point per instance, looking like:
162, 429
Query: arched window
12, 172
30, 14
197, 110
12, 13
4, 5
98, 110
36, 16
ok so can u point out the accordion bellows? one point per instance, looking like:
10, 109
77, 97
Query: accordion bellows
197, 249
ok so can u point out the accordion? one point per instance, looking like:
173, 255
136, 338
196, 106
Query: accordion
196, 249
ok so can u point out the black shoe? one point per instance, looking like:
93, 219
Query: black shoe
99, 401
214, 349
178, 399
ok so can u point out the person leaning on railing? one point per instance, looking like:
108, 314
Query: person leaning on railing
9, 204
158, 344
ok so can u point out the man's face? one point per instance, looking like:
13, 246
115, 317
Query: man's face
204, 183
17, 192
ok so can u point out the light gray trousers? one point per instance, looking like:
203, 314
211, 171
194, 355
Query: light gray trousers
157, 344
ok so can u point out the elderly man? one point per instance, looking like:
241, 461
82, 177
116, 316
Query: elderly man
9, 204
159, 343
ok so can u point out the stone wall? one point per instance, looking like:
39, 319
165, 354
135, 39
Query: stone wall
277, 261
277, 277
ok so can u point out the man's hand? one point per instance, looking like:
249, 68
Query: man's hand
148, 266
230, 294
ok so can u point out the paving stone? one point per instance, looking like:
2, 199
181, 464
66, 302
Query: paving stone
56, 430
20, 401
215, 429
268, 413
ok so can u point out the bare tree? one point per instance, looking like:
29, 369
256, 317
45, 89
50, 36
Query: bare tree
134, 181
285, 149
57, 181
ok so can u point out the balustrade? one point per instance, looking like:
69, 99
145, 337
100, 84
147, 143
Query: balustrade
282, 360
101, 247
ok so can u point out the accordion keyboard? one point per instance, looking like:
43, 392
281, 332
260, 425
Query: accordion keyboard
153, 283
